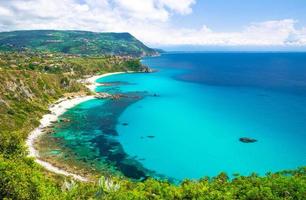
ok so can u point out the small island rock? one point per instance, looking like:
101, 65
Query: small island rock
247, 140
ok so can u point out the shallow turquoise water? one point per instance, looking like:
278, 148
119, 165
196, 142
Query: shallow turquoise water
194, 123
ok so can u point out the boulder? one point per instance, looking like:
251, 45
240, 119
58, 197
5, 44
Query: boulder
247, 140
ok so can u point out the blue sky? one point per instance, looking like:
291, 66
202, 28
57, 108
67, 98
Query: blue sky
169, 23
232, 15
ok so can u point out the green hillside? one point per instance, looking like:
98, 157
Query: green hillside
74, 42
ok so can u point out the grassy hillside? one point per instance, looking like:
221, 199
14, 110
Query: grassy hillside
74, 42
26, 95
73, 65
30, 82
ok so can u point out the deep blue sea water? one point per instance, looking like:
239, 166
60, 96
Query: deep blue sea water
185, 120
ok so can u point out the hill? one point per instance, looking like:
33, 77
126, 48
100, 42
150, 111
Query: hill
74, 42
31, 81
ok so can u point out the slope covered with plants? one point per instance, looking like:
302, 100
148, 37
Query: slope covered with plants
74, 42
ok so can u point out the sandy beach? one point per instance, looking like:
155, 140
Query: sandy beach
57, 109
91, 82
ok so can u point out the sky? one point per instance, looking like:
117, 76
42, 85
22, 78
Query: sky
169, 23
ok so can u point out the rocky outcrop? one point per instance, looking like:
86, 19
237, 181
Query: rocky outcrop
105, 95
247, 140
146, 69
19, 89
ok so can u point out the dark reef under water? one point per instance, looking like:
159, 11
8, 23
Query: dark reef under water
110, 148
91, 135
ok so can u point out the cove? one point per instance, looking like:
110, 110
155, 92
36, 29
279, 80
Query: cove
189, 115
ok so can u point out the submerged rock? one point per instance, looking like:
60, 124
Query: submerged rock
48, 131
247, 140
103, 95
118, 96
64, 120
125, 124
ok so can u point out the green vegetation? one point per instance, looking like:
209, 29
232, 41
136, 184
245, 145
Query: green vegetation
31, 81
72, 65
74, 42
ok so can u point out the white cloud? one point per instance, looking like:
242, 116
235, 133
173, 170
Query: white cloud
4, 12
180, 6
270, 32
148, 20
153, 9
142, 10
276, 32
297, 37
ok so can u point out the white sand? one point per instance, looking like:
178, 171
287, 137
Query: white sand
93, 79
56, 110
91, 82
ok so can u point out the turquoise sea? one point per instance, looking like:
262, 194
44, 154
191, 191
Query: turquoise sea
185, 120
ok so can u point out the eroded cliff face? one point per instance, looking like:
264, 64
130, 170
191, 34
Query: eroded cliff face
20, 89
